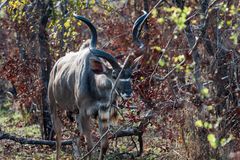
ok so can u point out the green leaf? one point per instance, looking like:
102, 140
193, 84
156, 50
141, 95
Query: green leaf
181, 58
234, 38
157, 48
205, 92
207, 125
160, 20
233, 10
212, 140
199, 123
161, 62
67, 24
154, 13
229, 22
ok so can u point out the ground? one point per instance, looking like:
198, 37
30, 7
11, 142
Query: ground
157, 144
13, 122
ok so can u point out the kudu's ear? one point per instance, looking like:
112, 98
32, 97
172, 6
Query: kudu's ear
136, 62
96, 66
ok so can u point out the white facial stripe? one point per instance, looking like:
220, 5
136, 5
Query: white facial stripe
124, 80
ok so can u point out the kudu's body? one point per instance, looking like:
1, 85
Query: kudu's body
81, 82
76, 87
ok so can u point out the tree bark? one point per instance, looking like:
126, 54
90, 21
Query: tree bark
45, 58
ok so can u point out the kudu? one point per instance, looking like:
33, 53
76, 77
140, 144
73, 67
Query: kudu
81, 81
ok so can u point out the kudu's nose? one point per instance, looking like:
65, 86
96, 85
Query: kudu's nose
126, 96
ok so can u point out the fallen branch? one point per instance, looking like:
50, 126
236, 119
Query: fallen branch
122, 133
131, 131
22, 140
136, 131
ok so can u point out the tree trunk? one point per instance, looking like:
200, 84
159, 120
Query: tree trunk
45, 60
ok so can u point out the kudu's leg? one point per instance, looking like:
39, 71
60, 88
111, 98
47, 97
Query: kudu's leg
103, 127
55, 119
83, 123
57, 129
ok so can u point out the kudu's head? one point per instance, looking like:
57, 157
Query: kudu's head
123, 87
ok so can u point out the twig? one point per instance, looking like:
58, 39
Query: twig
3, 4
178, 153
112, 39
95, 145
213, 3
126, 18
135, 144
116, 81
163, 78
155, 6
203, 30
165, 49
105, 134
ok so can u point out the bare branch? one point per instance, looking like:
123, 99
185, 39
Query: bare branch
3, 4
156, 77
89, 152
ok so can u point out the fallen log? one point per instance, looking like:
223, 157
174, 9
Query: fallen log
122, 133
22, 140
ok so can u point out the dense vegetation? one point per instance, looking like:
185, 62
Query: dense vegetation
186, 92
